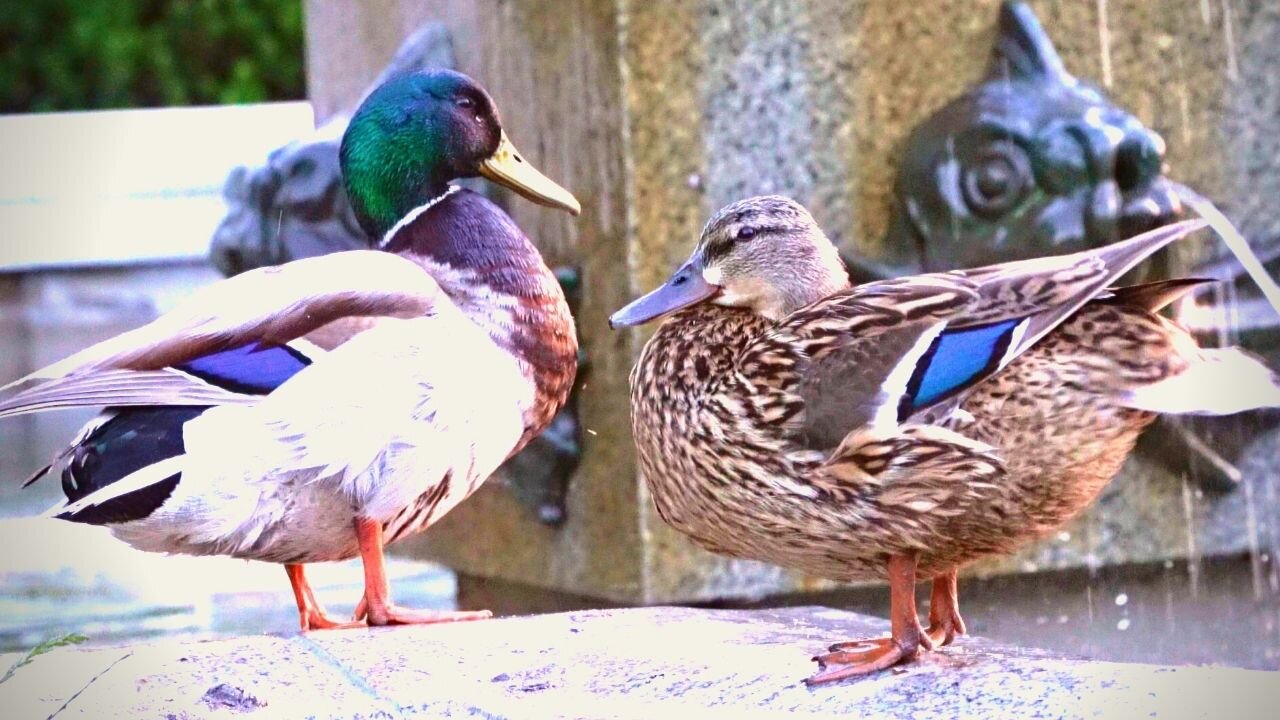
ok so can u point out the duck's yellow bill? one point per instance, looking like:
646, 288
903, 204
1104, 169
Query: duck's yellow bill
686, 288
508, 168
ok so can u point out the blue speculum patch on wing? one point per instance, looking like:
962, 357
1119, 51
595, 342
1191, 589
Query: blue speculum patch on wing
252, 369
955, 360
134, 438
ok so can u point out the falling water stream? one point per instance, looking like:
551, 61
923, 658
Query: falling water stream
1227, 322
1234, 241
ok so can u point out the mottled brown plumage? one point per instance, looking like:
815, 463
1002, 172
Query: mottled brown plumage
825, 432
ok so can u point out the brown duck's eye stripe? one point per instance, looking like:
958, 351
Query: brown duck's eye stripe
717, 250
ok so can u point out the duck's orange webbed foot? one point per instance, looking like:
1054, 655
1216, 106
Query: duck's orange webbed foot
376, 607
317, 620
311, 616
391, 614
945, 622
862, 657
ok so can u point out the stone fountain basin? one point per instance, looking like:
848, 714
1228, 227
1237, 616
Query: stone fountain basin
634, 663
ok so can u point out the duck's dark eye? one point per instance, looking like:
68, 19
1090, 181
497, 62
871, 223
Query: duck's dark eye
746, 232
465, 102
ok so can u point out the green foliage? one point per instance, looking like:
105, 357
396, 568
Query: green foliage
42, 648
88, 54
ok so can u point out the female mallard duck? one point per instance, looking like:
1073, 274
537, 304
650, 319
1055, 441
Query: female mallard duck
901, 428
321, 409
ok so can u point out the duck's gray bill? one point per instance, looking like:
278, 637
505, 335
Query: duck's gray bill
685, 288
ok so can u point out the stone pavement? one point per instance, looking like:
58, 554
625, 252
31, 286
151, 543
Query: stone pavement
637, 663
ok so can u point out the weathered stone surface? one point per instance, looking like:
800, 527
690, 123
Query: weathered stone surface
1250, 106
563, 111
655, 662
879, 68
656, 113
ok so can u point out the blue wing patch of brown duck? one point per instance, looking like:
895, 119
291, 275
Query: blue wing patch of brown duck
956, 360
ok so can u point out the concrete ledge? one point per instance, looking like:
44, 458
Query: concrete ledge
640, 663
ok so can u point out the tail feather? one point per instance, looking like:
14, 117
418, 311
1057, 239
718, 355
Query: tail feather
35, 477
165, 471
1221, 381
1062, 284
1155, 296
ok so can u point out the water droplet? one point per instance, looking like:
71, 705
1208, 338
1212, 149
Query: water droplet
1042, 620
1062, 619
1122, 600
1064, 536
695, 181
1123, 624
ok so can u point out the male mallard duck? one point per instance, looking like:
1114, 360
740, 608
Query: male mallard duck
905, 427
321, 409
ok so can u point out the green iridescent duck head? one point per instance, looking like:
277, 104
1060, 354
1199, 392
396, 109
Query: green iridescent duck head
418, 131
764, 254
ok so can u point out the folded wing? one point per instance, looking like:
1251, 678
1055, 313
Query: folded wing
883, 353
231, 341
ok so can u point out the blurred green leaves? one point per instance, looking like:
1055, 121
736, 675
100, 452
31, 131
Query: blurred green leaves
88, 54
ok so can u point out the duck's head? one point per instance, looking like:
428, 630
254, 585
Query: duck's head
764, 254
418, 131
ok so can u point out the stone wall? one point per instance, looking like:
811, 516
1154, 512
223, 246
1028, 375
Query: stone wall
657, 112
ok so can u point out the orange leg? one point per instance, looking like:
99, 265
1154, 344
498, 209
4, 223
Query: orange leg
945, 622
376, 606
310, 615
862, 657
